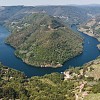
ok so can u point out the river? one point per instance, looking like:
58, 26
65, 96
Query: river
7, 57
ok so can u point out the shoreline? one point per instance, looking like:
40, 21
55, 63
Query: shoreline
84, 31
54, 67
89, 34
49, 68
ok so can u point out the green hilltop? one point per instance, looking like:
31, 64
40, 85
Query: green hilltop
44, 41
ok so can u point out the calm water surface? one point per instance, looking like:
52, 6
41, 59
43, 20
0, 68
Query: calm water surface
8, 58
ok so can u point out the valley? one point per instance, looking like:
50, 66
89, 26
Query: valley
7, 54
50, 52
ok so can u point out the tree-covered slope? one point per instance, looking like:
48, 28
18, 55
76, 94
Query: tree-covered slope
81, 83
69, 14
43, 40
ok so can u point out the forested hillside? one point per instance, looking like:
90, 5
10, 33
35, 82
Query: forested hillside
43, 40
82, 83
69, 14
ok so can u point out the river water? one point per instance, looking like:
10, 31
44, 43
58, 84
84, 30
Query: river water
7, 57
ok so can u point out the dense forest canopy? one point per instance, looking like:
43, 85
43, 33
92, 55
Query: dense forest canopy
54, 86
44, 41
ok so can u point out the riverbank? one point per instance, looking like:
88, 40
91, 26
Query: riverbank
91, 28
89, 32
48, 66
8, 58
41, 66
86, 31
78, 80
98, 46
